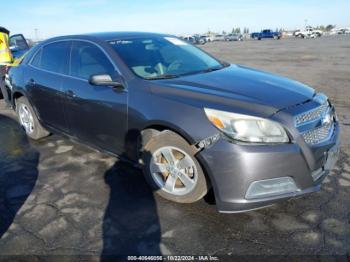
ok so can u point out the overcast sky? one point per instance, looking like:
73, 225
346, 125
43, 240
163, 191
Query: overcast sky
53, 18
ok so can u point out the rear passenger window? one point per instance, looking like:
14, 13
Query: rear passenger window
87, 59
37, 59
53, 57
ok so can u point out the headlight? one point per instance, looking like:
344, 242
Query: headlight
247, 128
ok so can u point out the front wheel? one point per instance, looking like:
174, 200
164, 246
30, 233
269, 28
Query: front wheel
171, 168
28, 119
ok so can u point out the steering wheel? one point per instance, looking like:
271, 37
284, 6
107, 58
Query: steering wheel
173, 66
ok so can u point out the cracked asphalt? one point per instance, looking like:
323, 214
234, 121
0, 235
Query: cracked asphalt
61, 197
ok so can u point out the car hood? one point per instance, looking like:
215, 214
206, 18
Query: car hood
245, 83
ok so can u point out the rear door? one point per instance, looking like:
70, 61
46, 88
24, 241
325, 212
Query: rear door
95, 114
44, 77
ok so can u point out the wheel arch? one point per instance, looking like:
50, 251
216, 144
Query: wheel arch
163, 125
17, 94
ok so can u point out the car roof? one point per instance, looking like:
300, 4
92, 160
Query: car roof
115, 35
105, 36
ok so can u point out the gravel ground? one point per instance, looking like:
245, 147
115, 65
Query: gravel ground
61, 197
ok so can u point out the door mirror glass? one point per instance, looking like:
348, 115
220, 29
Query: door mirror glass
103, 80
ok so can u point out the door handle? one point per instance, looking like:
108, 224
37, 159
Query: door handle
70, 94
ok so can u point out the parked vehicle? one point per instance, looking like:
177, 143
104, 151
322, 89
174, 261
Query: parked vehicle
308, 32
194, 40
234, 37
207, 38
340, 31
199, 123
219, 38
266, 33
199, 40
18, 47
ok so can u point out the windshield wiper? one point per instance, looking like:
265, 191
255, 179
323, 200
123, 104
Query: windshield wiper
164, 76
211, 69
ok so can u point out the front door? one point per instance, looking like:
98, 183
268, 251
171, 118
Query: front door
95, 114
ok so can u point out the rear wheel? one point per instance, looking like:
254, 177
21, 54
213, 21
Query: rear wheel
171, 168
28, 119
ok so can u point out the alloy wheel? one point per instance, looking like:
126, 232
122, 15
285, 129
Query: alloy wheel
26, 118
173, 170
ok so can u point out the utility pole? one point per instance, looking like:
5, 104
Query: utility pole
36, 34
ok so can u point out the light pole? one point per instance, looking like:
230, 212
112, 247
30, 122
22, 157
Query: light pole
36, 34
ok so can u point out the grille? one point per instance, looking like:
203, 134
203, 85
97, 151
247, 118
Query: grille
311, 115
318, 135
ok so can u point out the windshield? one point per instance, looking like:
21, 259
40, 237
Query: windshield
163, 57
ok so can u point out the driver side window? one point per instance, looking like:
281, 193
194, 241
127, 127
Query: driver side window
87, 59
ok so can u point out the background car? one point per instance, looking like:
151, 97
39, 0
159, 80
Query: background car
195, 40
219, 38
266, 33
207, 38
308, 32
234, 37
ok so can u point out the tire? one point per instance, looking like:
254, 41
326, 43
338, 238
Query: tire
196, 183
32, 127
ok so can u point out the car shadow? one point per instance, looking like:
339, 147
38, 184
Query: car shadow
131, 224
18, 170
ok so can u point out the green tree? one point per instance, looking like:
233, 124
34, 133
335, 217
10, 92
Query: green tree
238, 30
329, 27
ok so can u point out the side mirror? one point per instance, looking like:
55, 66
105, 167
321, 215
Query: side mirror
103, 80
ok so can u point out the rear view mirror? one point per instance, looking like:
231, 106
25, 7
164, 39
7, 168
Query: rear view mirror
103, 80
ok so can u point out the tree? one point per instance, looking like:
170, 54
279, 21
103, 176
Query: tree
223, 32
238, 30
329, 27
233, 30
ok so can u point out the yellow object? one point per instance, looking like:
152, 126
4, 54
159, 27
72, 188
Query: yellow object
17, 61
5, 53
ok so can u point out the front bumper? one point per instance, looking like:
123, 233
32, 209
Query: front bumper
233, 167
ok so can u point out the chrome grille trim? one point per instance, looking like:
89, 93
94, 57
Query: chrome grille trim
312, 115
319, 134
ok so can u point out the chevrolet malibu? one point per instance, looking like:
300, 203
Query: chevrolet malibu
193, 122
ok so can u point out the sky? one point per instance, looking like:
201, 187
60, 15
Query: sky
53, 18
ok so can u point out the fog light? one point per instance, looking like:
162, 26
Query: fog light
271, 187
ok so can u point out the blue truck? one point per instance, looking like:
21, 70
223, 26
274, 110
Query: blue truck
266, 33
